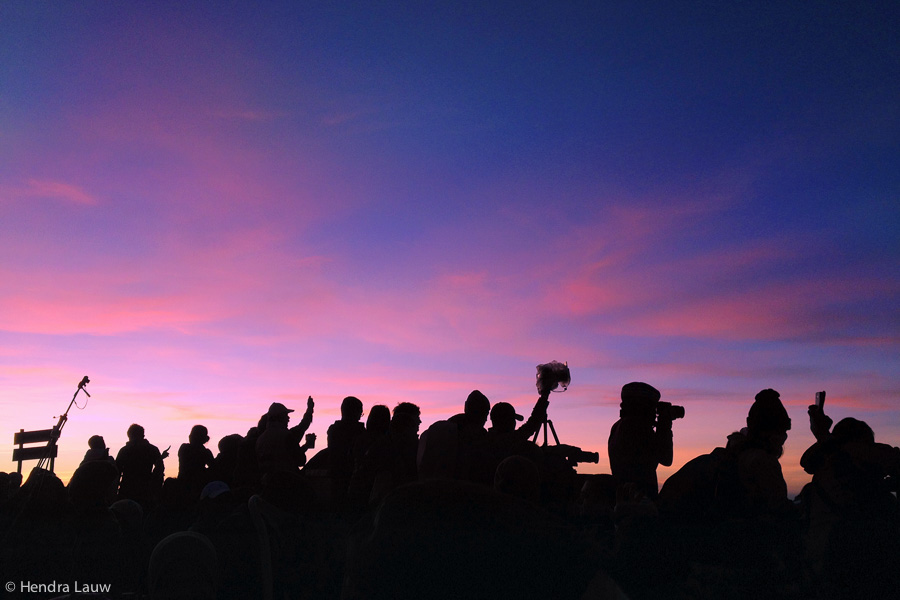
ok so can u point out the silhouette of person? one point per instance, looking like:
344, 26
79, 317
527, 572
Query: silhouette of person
343, 435
438, 452
4, 489
741, 480
728, 511
392, 460
215, 505
379, 419
759, 447
641, 439
504, 418
503, 439
226, 460
470, 427
404, 435
278, 448
9, 485
40, 517
95, 482
378, 423
851, 540
183, 565
246, 474
194, 462
471, 421
332, 467
518, 476
97, 450
142, 468
444, 538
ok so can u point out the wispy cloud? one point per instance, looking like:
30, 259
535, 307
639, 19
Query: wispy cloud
766, 310
57, 191
251, 115
179, 285
342, 118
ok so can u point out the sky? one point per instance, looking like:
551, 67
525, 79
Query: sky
207, 207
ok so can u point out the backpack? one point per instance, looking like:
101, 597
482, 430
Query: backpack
706, 487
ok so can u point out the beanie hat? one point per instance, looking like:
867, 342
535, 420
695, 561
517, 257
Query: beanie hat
768, 413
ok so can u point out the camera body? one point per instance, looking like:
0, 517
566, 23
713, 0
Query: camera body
551, 376
570, 455
668, 411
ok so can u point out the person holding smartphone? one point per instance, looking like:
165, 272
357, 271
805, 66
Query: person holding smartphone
850, 510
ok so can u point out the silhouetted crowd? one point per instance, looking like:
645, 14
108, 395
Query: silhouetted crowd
464, 509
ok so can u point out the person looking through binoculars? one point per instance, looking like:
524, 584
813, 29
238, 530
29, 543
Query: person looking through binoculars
641, 439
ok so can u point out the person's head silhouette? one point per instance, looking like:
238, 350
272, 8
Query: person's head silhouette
768, 421
135, 433
504, 417
199, 435
278, 413
639, 400
351, 409
477, 407
379, 419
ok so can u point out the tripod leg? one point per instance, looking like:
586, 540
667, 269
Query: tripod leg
538, 432
552, 429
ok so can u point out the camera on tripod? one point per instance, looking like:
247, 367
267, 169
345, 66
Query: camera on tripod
571, 455
552, 375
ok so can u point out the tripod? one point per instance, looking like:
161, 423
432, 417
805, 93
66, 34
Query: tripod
57, 429
546, 423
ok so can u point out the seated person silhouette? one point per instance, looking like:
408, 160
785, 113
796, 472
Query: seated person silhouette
97, 450
95, 482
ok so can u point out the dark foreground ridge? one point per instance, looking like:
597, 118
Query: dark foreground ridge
463, 510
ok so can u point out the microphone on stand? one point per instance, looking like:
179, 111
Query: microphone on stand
84, 382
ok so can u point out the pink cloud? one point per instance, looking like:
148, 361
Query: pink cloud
646, 283
764, 310
451, 312
182, 285
591, 293
49, 190
80, 312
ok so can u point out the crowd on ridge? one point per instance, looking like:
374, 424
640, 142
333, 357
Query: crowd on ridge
463, 509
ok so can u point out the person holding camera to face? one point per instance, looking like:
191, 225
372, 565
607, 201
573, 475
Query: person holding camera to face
641, 439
